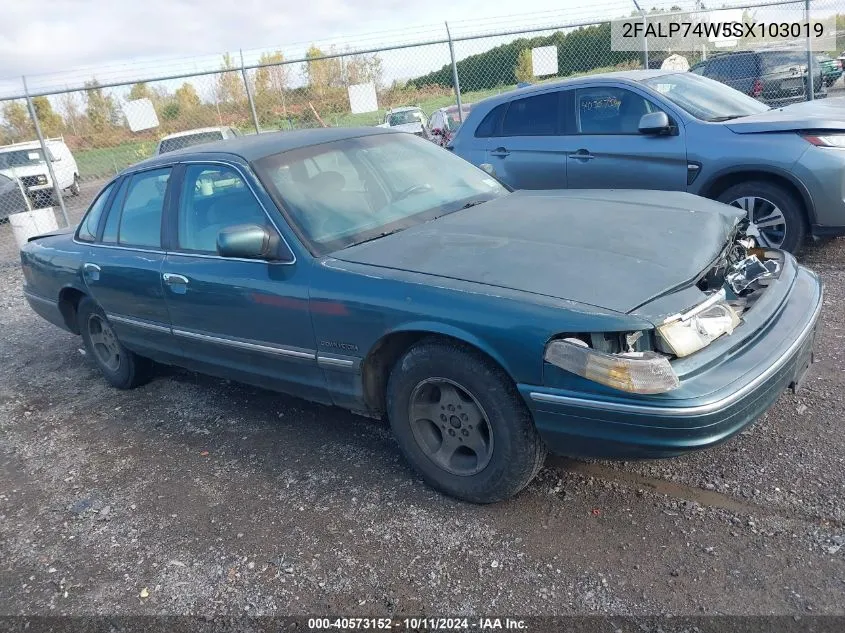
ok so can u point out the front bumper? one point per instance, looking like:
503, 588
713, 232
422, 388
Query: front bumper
715, 404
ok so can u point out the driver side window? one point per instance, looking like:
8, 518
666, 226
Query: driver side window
213, 198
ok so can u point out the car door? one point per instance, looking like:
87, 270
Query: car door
606, 150
243, 319
122, 269
527, 152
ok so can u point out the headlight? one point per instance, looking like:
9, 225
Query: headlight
826, 140
685, 334
634, 372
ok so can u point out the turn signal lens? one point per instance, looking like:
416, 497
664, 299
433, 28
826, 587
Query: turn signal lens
634, 372
826, 140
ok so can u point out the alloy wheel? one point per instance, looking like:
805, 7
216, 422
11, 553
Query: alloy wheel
450, 426
104, 342
766, 221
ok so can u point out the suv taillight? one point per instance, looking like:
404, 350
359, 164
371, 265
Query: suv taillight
757, 88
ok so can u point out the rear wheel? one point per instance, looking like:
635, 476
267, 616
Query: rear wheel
776, 217
461, 423
120, 367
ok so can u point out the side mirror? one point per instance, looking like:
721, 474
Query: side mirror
251, 241
487, 167
655, 123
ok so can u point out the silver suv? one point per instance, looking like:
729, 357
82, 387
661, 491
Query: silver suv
674, 131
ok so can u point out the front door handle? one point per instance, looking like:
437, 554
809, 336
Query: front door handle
178, 283
582, 154
172, 278
92, 271
500, 151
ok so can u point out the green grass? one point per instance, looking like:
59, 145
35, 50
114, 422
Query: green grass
103, 162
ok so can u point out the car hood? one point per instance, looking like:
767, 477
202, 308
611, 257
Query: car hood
820, 114
413, 128
26, 170
613, 249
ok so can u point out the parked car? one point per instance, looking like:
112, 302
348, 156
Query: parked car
189, 138
776, 77
12, 198
831, 69
375, 271
676, 131
26, 162
406, 119
444, 122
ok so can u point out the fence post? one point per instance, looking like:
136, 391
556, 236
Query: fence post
45, 151
645, 37
455, 75
249, 96
810, 60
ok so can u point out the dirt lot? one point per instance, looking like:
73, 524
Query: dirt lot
193, 495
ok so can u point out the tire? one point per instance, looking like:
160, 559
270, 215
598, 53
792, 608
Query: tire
127, 370
426, 375
789, 235
74, 188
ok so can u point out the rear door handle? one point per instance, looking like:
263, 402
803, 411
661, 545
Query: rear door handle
582, 154
92, 271
500, 151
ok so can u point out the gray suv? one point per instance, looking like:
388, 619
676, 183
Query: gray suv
673, 131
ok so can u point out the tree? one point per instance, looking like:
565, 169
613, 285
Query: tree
230, 87
321, 73
140, 91
18, 123
100, 108
50, 121
524, 69
271, 81
187, 97
70, 109
361, 69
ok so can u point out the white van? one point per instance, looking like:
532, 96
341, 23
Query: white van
25, 161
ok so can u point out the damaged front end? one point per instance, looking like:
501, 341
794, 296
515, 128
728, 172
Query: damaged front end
641, 361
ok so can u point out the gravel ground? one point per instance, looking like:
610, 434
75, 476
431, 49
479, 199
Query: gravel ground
198, 496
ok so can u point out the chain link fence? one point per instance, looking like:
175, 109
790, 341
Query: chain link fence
59, 146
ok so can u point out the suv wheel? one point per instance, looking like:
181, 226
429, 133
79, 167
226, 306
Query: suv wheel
74, 188
461, 423
776, 217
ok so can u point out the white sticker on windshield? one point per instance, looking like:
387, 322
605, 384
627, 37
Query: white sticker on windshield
33, 156
490, 182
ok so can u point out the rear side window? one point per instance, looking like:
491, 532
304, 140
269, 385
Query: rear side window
140, 218
490, 125
88, 227
532, 116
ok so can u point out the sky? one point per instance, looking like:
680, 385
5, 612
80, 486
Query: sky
65, 40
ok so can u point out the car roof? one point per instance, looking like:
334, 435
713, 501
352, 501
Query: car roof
257, 146
198, 130
24, 145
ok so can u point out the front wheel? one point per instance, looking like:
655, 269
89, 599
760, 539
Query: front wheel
74, 188
461, 423
776, 217
120, 367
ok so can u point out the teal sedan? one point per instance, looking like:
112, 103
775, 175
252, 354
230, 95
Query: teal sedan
374, 271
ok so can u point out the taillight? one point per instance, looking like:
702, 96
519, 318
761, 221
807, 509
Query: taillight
757, 88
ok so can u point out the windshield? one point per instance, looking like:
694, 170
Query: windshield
407, 116
21, 158
704, 98
189, 140
354, 190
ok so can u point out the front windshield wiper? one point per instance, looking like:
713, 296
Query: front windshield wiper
728, 117
379, 236
473, 203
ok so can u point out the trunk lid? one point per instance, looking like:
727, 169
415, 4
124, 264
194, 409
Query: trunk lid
613, 249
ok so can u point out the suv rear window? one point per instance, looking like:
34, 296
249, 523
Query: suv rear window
532, 116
